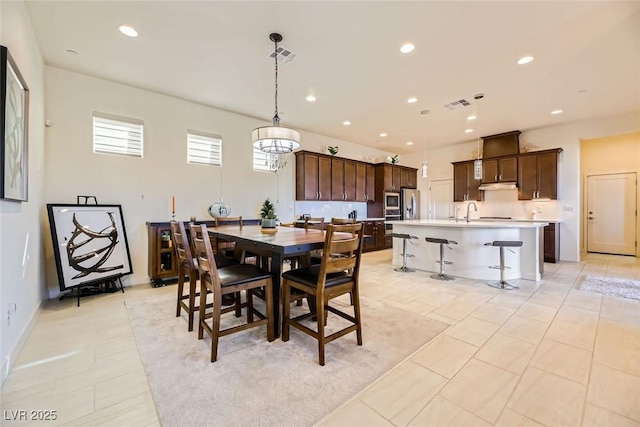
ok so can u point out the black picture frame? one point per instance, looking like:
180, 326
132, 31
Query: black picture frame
89, 244
14, 130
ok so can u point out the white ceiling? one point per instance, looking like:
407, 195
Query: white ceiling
216, 53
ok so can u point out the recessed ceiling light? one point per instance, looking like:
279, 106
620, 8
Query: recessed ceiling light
468, 130
556, 112
128, 31
471, 117
407, 47
71, 52
311, 98
383, 134
412, 100
409, 142
346, 123
525, 60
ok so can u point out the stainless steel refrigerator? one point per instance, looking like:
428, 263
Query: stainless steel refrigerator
410, 203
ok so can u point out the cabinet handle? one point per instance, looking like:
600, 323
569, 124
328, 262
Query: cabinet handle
495, 177
534, 194
500, 177
319, 195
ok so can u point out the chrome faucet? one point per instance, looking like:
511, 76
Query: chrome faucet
475, 208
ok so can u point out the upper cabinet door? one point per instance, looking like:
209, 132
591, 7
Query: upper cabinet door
489, 171
397, 177
508, 169
337, 179
349, 180
306, 176
473, 192
361, 182
547, 171
527, 177
459, 182
324, 178
371, 183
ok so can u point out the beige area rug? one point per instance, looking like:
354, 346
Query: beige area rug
614, 286
257, 383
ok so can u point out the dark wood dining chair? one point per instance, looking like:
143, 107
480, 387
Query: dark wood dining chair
186, 267
222, 260
225, 281
314, 223
342, 221
338, 274
225, 245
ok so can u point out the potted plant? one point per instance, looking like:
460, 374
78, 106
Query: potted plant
268, 214
333, 149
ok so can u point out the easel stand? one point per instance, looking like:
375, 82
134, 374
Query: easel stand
107, 286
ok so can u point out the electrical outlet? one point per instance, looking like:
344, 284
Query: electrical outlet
567, 208
538, 209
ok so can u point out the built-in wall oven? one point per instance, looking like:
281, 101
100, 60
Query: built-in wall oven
391, 215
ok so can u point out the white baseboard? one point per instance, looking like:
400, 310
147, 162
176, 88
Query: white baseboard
7, 364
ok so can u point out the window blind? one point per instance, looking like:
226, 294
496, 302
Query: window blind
204, 149
117, 135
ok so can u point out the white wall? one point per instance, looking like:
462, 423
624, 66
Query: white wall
567, 208
144, 187
22, 280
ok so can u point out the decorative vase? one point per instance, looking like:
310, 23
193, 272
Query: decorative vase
268, 223
219, 209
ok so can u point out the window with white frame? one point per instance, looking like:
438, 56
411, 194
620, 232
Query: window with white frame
204, 149
117, 135
261, 161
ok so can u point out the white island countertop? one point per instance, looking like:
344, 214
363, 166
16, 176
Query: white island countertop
472, 224
471, 257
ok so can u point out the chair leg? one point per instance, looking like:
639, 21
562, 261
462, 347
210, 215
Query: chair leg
203, 306
286, 309
215, 326
249, 305
180, 291
355, 296
238, 304
268, 300
192, 300
322, 317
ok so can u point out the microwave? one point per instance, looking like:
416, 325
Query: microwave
391, 201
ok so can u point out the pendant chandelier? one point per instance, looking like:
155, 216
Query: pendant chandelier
425, 165
477, 165
275, 140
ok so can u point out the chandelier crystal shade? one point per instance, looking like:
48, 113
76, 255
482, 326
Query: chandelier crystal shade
275, 139
477, 164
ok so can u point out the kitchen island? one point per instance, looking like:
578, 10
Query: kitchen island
470, 257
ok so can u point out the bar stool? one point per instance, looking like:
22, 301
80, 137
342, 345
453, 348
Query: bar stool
404, 237
442, 242
502, 284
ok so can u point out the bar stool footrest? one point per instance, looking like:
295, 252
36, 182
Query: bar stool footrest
442, 277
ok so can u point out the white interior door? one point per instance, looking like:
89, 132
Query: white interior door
611, 213
441, 199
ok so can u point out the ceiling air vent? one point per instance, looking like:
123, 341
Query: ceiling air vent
456, 104
284, 55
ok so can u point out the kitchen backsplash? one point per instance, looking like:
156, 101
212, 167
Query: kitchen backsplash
505, 204
330, 209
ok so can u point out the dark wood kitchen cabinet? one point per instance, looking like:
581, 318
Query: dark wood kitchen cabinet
393, 177
538, 175
408, 178
343, 180
374, 235
313, 176
465, 187
365, 182
552, 242
503, 169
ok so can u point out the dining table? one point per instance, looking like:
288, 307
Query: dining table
284, 243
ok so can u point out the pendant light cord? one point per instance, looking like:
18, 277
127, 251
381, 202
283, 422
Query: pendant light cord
276, 118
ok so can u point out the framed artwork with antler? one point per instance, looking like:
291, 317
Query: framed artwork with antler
89, 243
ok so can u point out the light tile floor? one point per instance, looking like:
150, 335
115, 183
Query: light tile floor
545, 354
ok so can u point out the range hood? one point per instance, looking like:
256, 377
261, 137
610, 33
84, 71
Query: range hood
499, 186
